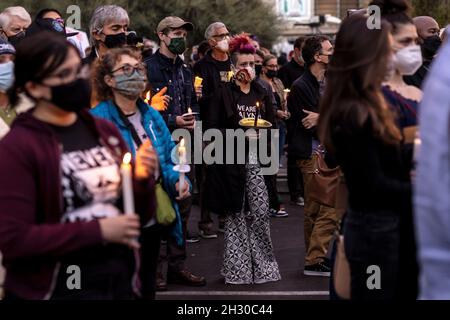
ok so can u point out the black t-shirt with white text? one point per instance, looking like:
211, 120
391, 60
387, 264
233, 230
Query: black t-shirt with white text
91, 189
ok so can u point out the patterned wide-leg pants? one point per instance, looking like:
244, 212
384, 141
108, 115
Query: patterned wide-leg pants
248, 253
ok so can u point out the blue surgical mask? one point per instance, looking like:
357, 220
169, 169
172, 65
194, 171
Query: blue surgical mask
6, 76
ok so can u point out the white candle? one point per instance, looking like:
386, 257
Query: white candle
182, 156
127, 184
417, 145
286, 93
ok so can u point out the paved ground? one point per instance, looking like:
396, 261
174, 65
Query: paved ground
205, 258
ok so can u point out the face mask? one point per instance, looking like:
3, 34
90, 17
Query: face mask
130, 86
115, 40
73, 96
177, 45
431, 46
258, 69
15, 39
408, 60
223, 45
271, 74
245, 75
6, 76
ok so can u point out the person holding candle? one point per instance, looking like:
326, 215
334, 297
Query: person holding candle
120, 79
240, 190
60, 192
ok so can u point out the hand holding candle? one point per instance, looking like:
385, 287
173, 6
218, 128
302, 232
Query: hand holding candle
127, 184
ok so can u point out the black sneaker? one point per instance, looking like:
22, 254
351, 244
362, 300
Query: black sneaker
319, 270
207, 234
278, 214
191, 238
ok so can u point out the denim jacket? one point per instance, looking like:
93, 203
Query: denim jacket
177, 77
161, 139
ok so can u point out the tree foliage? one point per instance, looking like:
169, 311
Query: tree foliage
438, 9
253, 16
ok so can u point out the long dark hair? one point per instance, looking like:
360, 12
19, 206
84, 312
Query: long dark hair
354, 78
37, 57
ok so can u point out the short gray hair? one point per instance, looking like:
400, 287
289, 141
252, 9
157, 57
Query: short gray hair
209, 32
103, 15
20, 12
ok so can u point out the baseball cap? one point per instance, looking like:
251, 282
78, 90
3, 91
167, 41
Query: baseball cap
174, 23
6, 47
47, 24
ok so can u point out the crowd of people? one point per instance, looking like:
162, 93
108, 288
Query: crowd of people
362, 118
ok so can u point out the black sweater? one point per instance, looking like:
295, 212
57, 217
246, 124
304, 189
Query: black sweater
376, 177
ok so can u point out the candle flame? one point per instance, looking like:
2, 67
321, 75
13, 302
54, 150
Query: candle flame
189, 110
127, 158
147, 97
287, 90
257, 104
182, 142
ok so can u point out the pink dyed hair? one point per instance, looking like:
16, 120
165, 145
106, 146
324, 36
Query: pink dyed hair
241, 43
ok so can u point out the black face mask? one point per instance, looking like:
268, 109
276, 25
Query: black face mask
431, 46
115, 40
15, 39
72, 97
258, 69
271, 74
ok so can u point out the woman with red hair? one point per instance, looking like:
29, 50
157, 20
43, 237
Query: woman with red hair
239, 190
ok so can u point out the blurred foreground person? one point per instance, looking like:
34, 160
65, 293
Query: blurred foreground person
60, 192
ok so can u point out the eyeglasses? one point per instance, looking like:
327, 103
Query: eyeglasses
222, 36
69, 74
128, 70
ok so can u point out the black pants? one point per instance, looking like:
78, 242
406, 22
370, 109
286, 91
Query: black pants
295, 179
206, 221
150, 246
271, 184
373, 240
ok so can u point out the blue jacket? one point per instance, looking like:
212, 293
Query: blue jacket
177, 77
161, 139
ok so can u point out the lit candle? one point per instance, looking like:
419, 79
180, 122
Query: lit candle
127, 184
189, 110
182, 157
198, 82
257, 114
147, 97
286, 93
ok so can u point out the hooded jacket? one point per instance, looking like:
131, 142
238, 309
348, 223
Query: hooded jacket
32, 239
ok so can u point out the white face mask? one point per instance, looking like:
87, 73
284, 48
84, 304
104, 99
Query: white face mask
408, 60
251, 72
223, 45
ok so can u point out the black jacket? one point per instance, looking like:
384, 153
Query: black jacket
225, 183
177, 77
305, 94
208, 69
290, 72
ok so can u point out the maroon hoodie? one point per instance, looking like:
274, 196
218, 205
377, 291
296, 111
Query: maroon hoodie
32, 239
